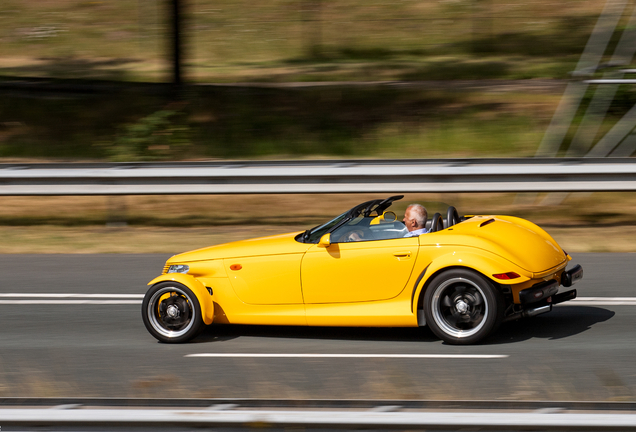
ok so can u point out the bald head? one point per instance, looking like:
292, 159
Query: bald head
415, 217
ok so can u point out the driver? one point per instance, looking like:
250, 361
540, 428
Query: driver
415, 220
354, 236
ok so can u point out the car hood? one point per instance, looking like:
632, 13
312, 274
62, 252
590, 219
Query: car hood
271, 245
515, 239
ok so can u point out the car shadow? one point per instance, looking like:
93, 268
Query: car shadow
226, 332
562, 322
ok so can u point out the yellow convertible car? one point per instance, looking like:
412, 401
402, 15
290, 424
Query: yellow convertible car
462, 279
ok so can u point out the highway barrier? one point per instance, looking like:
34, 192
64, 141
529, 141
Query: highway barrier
343, 415
328, 176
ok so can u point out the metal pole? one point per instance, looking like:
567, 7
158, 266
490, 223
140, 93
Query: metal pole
312, 27
575, 91
603, 97
176, 41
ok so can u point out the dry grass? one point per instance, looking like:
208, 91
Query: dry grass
574, 210
46, 239
600, 222
238, 39
606, 239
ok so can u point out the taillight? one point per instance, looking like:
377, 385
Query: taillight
506, 276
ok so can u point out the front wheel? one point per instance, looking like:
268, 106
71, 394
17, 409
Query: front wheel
171, 313
462, 307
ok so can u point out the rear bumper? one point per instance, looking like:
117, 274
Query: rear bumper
548, 290
538, 292
563, 297
570, 277
540, 298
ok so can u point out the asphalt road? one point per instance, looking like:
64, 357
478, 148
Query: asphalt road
67, 348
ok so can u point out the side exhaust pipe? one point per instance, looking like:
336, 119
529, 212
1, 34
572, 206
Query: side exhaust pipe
529, 313
536, 311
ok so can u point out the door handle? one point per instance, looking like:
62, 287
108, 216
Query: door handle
402, 254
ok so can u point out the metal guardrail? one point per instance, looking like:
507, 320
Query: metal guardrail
333, 176
246, 414
397, 404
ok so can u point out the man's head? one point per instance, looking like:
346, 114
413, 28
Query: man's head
415, 217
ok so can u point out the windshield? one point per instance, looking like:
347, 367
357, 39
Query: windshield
362, 212
368, 228
368, 222
313, 235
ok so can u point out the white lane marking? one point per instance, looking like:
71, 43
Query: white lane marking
74, 298
69, 302
405, 356
603, 301
68, 299
46, 295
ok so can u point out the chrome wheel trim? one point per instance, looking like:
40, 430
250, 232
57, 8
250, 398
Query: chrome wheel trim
153, 312
439, 316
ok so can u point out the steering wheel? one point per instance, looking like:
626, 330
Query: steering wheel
352, 236
452, 217
437, 223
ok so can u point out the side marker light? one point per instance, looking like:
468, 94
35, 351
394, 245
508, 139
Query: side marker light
506, 276
236, 267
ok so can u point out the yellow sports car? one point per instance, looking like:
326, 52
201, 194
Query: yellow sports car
462, 279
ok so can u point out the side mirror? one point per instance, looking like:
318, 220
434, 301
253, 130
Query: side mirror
325, 240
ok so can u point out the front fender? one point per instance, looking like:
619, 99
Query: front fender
199, 290
479, 260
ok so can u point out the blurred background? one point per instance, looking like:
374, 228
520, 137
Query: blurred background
96, 81
288, 79
202, 80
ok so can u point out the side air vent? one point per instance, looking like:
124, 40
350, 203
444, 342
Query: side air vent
484, 223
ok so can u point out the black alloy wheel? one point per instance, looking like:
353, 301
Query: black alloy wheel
462, 307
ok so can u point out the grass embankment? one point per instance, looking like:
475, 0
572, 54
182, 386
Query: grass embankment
417, 120
176, 224
303, 40
473, 120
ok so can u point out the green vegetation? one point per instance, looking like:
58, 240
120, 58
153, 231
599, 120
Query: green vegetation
160, 135
228, 122
130, 123
282, 41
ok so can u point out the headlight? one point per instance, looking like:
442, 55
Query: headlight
178, 268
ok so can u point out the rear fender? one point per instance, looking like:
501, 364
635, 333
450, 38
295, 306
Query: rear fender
481, 261
199, 290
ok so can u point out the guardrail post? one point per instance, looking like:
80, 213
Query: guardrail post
117, 210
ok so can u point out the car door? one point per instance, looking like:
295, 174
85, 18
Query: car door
266, 280
358, 271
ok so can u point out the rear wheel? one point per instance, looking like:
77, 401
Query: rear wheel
462, 307
171, 313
